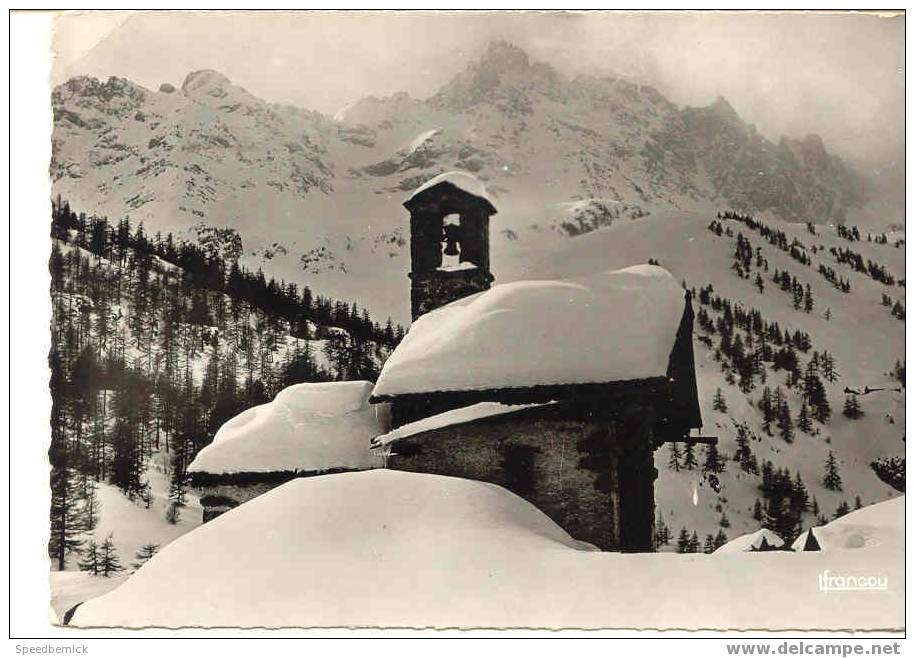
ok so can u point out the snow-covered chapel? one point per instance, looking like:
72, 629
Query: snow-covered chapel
559, 391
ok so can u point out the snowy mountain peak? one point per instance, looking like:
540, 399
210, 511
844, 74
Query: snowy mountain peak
504, 76
724, 109
212, 152
85, 90
504, 56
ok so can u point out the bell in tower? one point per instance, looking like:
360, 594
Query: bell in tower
449, 241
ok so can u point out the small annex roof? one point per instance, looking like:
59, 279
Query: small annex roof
307, 427
461, 180
450, 419
610, 327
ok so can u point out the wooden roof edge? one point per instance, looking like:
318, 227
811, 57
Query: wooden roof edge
541, 392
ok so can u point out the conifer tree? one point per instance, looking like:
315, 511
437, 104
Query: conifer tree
91, 558
768, 411
709, 545
799, 495
683, 541
815, 393
841, 510
693, 543
720, 539
781, 519
91, 505
852, 408
109, 563
173, 513
783, 420
831, 478
757, 511
662, 532
713, 462
718, 402
674, 461
828, 367
66, 527
144, 554
689, 457
743, 455
804, 423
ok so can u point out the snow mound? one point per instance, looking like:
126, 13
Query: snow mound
460, 179
452, 417
394, 549
308, 427
751, 542
613, 326
303, 549
874, 525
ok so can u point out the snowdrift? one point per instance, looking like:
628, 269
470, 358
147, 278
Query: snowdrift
752, 542
876, 525
388, 548
307, 427
613, 326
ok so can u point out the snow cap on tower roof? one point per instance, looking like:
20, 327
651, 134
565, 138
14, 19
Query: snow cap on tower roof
463, 181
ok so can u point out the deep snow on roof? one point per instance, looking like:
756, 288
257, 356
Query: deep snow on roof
306, 427
390, 548
608, 327
450, 418
460, 179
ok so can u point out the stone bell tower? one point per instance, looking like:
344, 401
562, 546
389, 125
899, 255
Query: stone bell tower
449, 241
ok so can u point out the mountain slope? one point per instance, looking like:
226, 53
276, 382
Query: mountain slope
861, 333
154, 345
328, 190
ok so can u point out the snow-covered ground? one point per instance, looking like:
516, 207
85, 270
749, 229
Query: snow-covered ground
387, 548
70, 588
131, 524
864, 528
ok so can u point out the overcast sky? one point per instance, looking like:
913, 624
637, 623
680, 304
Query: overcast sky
839, 75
